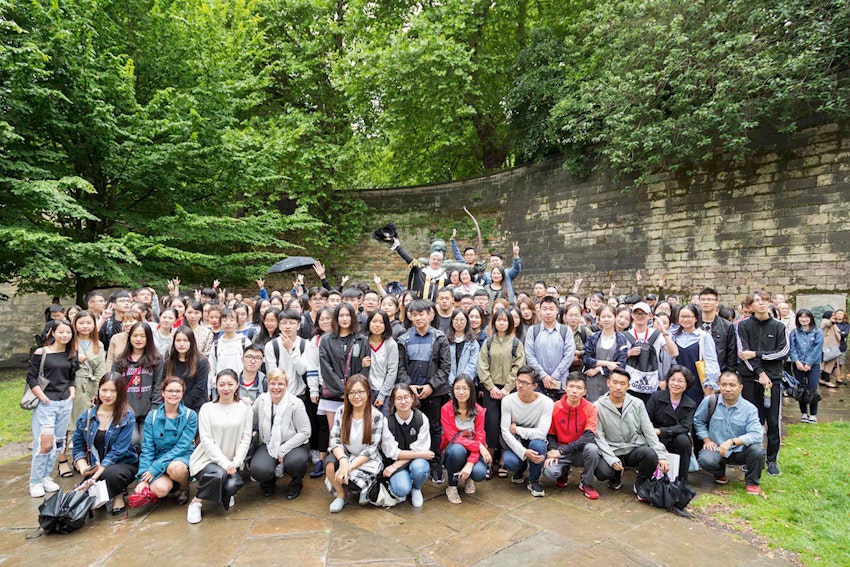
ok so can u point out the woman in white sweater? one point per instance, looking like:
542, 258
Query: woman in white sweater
382, 359
284, 436
224, 428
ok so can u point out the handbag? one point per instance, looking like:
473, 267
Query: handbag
661, 492
100, 494
29, 401
831, 352
380, 495
700, 364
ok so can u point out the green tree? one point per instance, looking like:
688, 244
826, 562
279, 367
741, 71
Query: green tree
101, 187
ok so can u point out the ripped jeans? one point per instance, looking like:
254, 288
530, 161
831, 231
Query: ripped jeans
48, 419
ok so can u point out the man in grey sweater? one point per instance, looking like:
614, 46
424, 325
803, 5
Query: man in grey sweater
526, 417
625, 435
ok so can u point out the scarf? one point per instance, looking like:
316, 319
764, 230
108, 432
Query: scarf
269, 430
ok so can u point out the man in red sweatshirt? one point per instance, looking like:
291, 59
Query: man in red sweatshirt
572, 437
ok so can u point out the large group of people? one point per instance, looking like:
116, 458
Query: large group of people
459, 378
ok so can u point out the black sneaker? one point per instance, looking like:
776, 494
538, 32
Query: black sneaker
518, 478
616, 483
437, 475
535, 488
773, 469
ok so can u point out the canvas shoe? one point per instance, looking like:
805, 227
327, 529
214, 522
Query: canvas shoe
416, 499
193, 513
753, 489
49, 485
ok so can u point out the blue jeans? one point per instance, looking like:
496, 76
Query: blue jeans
515, 464
411, 477
48, 419
456, 455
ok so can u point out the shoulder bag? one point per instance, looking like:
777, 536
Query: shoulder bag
29, 401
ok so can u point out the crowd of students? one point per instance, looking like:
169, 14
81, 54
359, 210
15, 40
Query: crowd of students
371, 389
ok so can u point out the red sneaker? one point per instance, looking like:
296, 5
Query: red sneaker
721, 479
561, 481
753, 489
588, 491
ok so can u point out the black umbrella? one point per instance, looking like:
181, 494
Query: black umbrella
292, 263
64, 512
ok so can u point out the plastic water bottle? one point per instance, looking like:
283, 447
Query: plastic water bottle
766, 399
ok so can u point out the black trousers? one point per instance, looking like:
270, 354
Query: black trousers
431, 406
642, 458
318, 424
118, 477
681, 445
294, 464
492, 419
215, 485
754, 393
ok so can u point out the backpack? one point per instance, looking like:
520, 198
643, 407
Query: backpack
643, 369
302, 344
562, 329
514, 346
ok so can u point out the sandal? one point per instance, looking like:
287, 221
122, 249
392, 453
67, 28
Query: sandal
68, 472
452, 495
503, 472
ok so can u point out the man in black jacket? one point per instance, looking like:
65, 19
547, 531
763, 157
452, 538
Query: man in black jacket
762, 348
721, 330
424, 363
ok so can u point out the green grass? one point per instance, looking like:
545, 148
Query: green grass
805, 510
14, 422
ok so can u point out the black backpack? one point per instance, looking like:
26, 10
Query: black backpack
647, 361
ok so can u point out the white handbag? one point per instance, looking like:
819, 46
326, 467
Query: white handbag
100, 493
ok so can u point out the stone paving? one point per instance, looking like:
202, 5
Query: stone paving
502, 524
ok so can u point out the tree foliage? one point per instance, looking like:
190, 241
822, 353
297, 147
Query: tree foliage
147, 138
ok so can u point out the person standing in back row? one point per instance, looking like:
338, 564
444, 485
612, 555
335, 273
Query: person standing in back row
762, 347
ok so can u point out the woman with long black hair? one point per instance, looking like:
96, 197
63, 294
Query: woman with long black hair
141, 366
102, 440
51, 374
187, 363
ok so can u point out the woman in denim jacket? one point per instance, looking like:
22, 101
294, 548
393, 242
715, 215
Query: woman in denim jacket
102, 440
806, 343
166, 448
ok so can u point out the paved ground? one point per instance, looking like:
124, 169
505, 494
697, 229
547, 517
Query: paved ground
500, 525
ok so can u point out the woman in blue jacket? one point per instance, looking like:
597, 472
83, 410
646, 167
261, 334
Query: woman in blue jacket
806, 342
166, 448
604, 350
102, 440
463, 347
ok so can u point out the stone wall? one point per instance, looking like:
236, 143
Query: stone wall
780, 221
21, 317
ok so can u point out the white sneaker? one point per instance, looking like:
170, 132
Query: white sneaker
36, 490
813, 419
49, 485
416, 499
232, 502
804, 418
193, 514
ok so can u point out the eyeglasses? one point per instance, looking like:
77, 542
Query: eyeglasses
523, 383
357, 393
175, 392
403, 399
254, 358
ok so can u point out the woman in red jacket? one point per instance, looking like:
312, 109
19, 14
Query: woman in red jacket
463, 445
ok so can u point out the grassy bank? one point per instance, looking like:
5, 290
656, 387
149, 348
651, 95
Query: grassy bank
807, 509
14, 422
